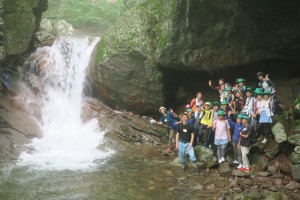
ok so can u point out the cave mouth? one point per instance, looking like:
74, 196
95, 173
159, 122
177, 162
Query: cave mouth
181, 86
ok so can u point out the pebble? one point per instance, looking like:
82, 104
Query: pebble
264, 174
198, 187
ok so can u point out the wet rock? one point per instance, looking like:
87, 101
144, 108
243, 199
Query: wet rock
292, 185
296, 171
63, 28
198, 187
123, 125
294, 139
205, 157
272, 169
273, 188
297, 149
259, 160
224, 168
45, 25
264, 174
277, 196
43, 38
239, 173
295, 158
280, 129
253, 195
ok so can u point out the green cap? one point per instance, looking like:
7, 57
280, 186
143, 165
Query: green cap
248, 90
240, 116
246, 117
239, 80
228, 88
189, 110
224, 102
221, 112
216, 104
258, 90
267, 92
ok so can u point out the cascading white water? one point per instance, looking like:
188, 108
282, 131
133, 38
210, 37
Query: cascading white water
57, 74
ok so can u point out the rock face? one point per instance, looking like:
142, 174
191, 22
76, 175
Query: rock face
296, 110
20, 19
194, 35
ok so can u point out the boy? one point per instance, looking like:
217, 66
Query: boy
184, 142
237, 128
205, 124
244, 143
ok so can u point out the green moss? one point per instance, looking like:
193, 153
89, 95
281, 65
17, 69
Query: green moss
101, 51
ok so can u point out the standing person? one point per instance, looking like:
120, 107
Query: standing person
244, 143
240, 86
258, 93
222, 135
184, 142
266, 84
226, 109
237, 128
238, 102
221, 82
215, 108
229, 97
265, 120
197, 118
197, 102
205, 124
169, 119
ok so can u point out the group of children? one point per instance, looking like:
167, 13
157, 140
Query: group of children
241, 116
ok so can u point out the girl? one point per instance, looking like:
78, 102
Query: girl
222, 135
265, 120
238, 103
266, 85
197, 102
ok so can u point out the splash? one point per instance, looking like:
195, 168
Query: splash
56, 75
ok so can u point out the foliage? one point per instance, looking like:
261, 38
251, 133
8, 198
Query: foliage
92, 16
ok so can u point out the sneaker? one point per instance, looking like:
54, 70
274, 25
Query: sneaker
246, 170
223, 159
196, 171
220, 161
241, 169
264, 141
240, 166
235, 162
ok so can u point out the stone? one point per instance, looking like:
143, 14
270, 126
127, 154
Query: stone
259, 160
63, 28
296, 171
224, 168
198, 187
252, 195
295, 158
264, 174
294, 139
297, 149
239, 173
211, 187
279, 130
277, 196
296, 109
43, 38
272, 169
205, 157
292, 185
46, 25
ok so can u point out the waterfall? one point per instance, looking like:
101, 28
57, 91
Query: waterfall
53, 83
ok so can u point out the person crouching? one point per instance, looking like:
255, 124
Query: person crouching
184, 142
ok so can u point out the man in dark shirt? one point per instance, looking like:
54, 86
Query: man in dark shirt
184, 142
244, 144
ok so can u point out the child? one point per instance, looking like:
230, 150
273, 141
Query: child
197, 101
222, 135
197, 118
238, 103
205, 124
229, 96
221, 82
169, 119
184, 142
240, 85
244, 143
266, 84
226, 109
237, 128
215, 107
258, 93
265, 120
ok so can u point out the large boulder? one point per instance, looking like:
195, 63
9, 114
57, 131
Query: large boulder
43, 38
63, 28
46, 25
280, 129
296, 172
294, 139
158, 36
295, 158
296, 110
20, 20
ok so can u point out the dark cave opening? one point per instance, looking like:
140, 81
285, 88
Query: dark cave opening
180, 86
